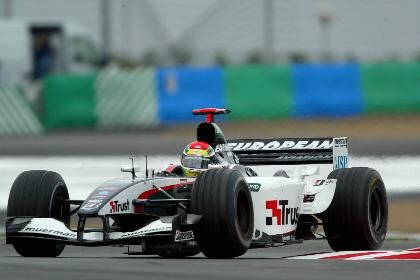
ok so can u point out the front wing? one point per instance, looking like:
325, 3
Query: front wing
52, 229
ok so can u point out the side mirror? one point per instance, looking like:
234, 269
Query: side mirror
130, 168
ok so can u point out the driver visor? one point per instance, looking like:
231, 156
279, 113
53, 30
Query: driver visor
195, 162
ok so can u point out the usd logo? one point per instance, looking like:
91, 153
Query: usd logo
254, 187
341, 162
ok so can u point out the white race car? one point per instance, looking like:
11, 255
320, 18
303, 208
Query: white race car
220, 207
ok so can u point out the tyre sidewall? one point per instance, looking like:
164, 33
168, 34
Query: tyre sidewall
35, 193
243, 238
215, 196
347, 221
376, 237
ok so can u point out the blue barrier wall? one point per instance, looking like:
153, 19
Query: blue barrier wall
326, 90
180, 90
149, 97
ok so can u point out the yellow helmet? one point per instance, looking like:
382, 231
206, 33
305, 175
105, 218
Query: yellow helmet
196, 157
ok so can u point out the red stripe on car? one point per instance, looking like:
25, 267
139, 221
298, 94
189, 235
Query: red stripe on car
151, 192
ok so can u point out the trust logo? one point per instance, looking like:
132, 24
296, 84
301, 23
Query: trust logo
116, 206
281, 214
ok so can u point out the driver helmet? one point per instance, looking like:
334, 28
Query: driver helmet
196, 157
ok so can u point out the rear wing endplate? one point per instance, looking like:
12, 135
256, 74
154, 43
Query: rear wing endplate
290, 151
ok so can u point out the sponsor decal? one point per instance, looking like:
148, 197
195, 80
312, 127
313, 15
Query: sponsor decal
308, 198
222, 148
321, 182
254, 187
341, 162
181, 236
98, 197
340, 142
117, 206
282, 214
103, 193
50, 231
109, 188
318, 183
305, 157
280, 145
142, 232
92, 204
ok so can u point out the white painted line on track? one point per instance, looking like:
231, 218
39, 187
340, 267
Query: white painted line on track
313, 256
410, 254
374, 256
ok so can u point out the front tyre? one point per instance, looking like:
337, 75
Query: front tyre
39, 193
357, 218
223, 199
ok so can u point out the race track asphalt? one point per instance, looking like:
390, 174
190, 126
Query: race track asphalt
108, 263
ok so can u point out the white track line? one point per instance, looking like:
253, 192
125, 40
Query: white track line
374, 256
361, 255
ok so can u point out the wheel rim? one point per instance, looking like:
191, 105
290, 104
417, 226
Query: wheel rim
376, 210
243, 212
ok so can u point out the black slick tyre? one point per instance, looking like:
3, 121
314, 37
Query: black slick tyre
358, 215
38, 193
223, 199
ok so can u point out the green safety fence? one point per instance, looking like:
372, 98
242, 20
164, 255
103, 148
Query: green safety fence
119, 98
16, 114
68, 101
258, 92
391, 87
126, 98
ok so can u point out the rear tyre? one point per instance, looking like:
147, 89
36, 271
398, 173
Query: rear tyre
358, 215
38, 193
223, 199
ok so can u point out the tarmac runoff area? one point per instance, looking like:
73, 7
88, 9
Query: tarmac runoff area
368, 136
310, 260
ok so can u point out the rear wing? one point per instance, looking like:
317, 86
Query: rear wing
290, 151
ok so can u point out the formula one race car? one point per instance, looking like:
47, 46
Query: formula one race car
213, 203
